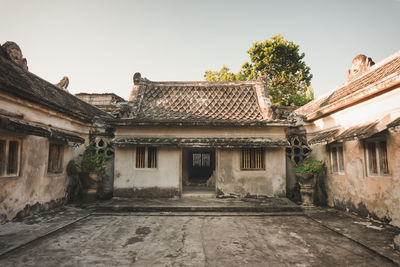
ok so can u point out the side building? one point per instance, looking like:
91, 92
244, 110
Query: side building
355, 129
42, 128
175, 135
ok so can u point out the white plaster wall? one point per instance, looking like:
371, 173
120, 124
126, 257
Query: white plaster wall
354, 189
384, 107
166, 175
34, 184
270, 182
273, 132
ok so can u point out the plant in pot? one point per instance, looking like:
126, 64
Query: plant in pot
306, 174
92, 166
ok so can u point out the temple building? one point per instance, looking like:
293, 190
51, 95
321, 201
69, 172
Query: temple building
176, 134
222, 138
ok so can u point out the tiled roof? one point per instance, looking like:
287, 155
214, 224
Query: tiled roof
387, 73
358, 132
25, 85
200, 142
234, 102
394, 123
321, 137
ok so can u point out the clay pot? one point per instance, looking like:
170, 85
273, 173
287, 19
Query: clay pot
94, 179
307, 183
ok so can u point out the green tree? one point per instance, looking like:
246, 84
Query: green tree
218, 76
279, 64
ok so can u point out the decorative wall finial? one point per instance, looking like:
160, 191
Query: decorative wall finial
15, 54
136, 77
63, 84
359, 66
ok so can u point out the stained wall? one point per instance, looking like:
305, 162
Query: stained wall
34, 188
355, 190
231, 180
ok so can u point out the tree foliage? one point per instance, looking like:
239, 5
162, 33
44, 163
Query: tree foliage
279, 64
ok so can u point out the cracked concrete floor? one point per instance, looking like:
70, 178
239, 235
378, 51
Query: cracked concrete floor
113, 240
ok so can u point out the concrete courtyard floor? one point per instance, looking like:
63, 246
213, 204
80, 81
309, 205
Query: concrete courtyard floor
95, 236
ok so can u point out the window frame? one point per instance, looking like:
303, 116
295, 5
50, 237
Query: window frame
378, 153
4, 174
146, 157
331, 158
61, 159
242, 151
202, 160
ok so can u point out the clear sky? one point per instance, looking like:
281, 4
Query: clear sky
99, 45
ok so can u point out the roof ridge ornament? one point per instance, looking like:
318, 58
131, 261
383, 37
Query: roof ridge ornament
360, 65
63, 84
15, 54
136, 78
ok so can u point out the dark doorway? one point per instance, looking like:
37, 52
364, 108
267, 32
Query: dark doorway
201, 166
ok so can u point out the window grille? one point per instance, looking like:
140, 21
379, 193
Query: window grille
201, 160
140, 157
146, 156
152, 157
252, 158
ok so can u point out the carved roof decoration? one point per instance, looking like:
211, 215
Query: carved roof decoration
200, 142
16, 81
207, 102
14, 53
375, 80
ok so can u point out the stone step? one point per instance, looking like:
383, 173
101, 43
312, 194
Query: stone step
131, 208
195, 204
199, 194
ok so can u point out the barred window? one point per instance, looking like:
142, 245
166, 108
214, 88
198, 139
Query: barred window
201, 160
151, 157
336, 158
252, 159
140, 157
56, 152
376, 158
146, 156
9, 156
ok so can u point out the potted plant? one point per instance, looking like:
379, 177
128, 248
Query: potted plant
92, 166
307, 173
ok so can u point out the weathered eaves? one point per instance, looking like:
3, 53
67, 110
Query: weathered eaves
25, 85
200, 142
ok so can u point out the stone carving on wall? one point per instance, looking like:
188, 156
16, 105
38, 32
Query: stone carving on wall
15, 54
359, 66
298, 149
63, 84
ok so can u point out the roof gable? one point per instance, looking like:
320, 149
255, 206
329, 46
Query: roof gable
234, 102
378, 78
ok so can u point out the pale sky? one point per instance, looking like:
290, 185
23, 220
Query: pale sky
99, 45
